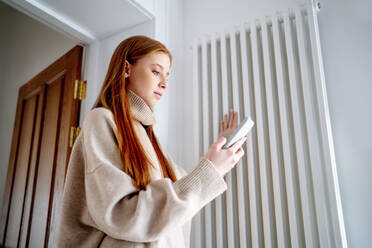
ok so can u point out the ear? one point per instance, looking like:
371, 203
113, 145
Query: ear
128, 68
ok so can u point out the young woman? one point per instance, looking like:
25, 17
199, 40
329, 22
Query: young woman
122, 189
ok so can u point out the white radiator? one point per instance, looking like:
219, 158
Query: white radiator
284, 192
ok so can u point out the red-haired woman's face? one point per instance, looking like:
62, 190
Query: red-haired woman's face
148, 77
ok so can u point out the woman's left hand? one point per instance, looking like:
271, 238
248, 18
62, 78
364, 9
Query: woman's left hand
228, 126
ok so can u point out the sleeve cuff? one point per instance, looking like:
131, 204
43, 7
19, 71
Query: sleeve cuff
204, 180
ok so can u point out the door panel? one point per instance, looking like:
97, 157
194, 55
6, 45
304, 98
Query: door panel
46, 162
21, 168
39, 154
39, 96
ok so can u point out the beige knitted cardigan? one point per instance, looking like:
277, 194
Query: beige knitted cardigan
102, 208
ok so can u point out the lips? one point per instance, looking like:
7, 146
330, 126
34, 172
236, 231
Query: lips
158, 93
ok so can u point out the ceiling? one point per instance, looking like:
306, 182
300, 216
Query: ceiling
85, 20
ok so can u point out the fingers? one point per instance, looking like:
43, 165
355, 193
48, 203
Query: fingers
232, 114
235, 121
220, 142
225, 121
240, 152
238, 155
231, 122
238, 144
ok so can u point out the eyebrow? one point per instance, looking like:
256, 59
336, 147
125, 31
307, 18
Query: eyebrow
161, 67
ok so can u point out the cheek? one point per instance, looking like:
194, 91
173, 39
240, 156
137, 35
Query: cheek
144, 82
151, 79
142, 79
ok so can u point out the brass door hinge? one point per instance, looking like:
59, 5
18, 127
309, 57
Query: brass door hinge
74, 132
80, 89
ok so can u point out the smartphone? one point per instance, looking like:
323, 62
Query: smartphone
242, 130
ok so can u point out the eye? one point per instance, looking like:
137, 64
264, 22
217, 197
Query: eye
156, 72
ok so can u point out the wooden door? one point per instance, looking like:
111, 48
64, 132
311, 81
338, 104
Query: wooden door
39, 154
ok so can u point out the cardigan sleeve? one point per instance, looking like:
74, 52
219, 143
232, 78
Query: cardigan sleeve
122, 211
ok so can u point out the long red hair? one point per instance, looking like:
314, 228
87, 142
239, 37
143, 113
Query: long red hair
113, 96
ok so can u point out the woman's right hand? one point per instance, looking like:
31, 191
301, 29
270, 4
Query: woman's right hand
225, 159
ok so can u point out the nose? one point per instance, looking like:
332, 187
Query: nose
164, 84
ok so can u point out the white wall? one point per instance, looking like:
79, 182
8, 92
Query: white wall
149, 5
346, 39
175, 43
27, 47
346, 33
